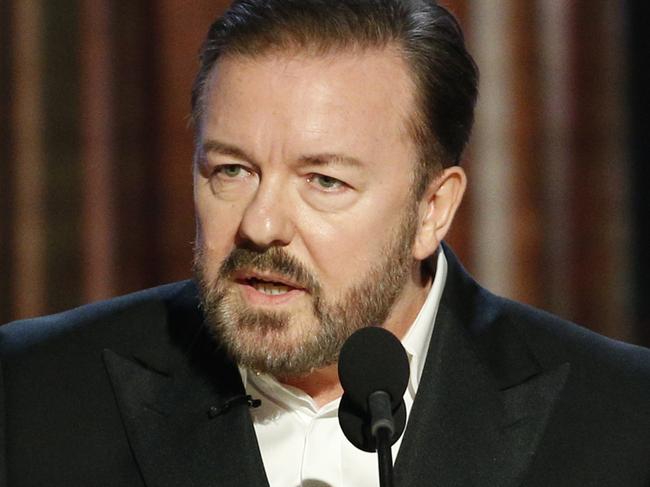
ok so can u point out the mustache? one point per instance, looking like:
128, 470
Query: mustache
272, 259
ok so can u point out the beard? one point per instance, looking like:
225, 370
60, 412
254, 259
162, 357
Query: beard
275, 342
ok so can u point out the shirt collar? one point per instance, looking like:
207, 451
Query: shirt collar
417, 338
415, 342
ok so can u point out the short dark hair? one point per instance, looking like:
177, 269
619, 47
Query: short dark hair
425, 34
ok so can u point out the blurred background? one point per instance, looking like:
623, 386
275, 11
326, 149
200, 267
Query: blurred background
96, 150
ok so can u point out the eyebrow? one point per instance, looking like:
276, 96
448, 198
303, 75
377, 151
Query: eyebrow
330, 159
215, 146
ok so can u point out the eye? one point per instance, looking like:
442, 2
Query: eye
231, 179
231, 171
326, 183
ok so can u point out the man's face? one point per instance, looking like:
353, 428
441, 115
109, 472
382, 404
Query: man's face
305, 217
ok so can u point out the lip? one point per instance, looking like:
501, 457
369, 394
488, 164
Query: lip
255, 297
241, 277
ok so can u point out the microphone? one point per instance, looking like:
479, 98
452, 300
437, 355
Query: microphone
215, 411
374, 372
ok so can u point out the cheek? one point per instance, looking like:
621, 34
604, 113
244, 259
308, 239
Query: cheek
216, 228
346, 246
341, 251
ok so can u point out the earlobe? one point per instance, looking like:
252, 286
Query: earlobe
437, 209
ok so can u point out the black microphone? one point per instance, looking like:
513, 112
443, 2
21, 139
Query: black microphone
226, 406
374, 373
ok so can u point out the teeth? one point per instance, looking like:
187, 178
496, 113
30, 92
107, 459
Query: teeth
270, 289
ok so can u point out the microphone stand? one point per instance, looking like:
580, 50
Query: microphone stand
382, 427
385, 458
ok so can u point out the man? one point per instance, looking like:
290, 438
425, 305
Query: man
325, 178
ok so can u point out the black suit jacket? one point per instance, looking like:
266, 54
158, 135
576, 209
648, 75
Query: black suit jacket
119, 393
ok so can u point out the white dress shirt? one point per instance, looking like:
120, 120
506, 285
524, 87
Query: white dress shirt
302, 444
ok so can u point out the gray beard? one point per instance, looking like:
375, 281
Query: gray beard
266, 341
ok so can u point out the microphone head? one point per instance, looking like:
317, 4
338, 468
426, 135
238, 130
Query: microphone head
371, 360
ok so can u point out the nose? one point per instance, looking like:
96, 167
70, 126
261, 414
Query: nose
267, 219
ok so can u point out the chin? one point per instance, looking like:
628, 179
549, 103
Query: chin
290, 351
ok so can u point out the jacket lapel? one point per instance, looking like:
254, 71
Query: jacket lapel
167, 401
483, 401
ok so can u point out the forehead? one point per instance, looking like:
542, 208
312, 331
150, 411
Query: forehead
347, 99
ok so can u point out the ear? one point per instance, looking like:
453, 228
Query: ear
436, 210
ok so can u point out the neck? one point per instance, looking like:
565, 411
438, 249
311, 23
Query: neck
322, 384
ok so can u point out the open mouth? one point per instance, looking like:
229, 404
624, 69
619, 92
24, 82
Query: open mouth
270, 288
267, 285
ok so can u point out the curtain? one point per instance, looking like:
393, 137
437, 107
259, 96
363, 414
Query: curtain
96, 150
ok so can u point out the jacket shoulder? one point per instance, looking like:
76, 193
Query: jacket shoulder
20, 337
608, 371
555, 339
518, 341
